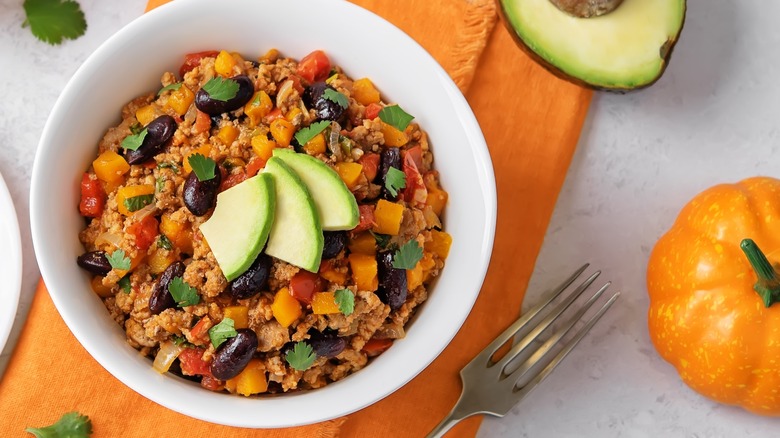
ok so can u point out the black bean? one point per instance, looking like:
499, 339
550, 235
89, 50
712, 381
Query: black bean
95, 262
326, 344
158, 132
392, 282
335, 242
161, 298
314, 97
201, 196
234, 354
213, 107
391, 157
253, 280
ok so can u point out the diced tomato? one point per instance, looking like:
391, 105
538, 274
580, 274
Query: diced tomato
93, 197
416, 154
231, 180
192, 60
370, 163
192, 362
254, 166
296, 83
202, 123
372, 111
314, 67
212, 383
200, 331
145, 232
303, 285
151, 164
366, 218
274, 114
375, 347
415, 192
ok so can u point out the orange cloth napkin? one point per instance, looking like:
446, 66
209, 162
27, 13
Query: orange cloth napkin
531, 121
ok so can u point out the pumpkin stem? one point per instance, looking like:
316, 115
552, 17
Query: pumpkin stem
768, 284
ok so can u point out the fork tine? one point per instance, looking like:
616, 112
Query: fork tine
547, 321
485, 355
525, 390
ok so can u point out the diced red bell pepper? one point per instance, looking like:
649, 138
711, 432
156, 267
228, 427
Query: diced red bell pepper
231, 180
202, 123
303, 285
372, 111
415, 192
192, 60
314, 67
93, 197
199, 332
375, 347
366, 218
370, 163
254, 166
145, 232
192, 363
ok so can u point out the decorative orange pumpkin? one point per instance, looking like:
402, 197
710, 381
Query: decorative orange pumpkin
715, 298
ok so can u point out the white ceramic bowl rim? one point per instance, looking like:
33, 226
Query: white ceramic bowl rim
131, 62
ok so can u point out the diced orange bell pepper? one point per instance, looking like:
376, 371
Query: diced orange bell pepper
111, 167
292, 114
228, 134
363, 243
252, 380
258, 107
285, 308
180, 100
146, 114
263, 147
349, 173
393, 137
160, 259
224, 63
128, 192
98, 288
328, 272
316, 145
180, 234
364, 91
323, 303
387, 217
440, 244
414, 277
239, 315
204, 149
364, 271
282, 131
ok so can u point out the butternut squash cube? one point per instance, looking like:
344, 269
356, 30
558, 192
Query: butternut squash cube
387, 217
285, 308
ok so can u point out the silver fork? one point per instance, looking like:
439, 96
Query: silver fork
492, 387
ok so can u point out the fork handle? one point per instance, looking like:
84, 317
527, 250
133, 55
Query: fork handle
453, 418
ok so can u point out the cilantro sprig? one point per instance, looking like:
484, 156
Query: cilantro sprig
223, 331
301, 357
70, 425
134, 141
407, 256
395, 116
305, 134
119, 260
345, 299
203, 167
171, 87
395, 181
51, 21
336, 97
138, 202
183, 293
124, 283
221, 88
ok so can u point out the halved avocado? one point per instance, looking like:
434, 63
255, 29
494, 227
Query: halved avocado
626, 47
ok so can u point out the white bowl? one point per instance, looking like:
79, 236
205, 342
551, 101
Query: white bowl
131, 62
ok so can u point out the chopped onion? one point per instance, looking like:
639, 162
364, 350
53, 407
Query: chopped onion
284, 93
141, 214
333, 142
108, 237
166, 355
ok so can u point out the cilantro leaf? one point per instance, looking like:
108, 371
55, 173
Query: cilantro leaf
336, 97
51, 21
172, 87
407, 256
178, 340
301, 357
305, 134
166, 165
118, 260
134, 141
221, 332
136, 128
345, 299
395, 181
396, 117
164, 242
203, 167
124, 283
381, 239
183, 293
221, 89
70, 425
138, 202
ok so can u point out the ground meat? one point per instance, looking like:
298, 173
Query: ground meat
271, 336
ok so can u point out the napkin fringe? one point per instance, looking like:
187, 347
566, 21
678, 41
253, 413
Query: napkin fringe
479, 18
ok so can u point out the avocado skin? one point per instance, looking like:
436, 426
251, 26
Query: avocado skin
669, 46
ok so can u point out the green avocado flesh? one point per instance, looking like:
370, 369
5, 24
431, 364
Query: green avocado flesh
240, 225
624, 49
296, 234
336, 205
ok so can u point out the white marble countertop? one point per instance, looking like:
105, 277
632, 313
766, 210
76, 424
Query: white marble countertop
712, 118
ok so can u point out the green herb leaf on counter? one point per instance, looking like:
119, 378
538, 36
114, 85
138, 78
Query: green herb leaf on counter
51, 21
124, 283
221, 89
70, 425
203, 167
164, 243
183, 293
223, 331
345, 299
395, 181
171, 87
138, 202
396, 117
118, 260
381, 239
407, 256
336, 97
134, 141
305, 134
301, 357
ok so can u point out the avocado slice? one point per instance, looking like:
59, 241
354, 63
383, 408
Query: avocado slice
238, 229
626, 47
336, 205
296, 234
